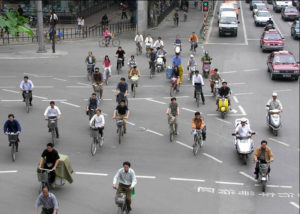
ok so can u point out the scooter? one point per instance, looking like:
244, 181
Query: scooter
223, 106
206, 68
274, 120
159, 65
216, 87
263, 175
243, 145
269, 27
177, 48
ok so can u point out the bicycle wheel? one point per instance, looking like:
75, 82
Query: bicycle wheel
195, 146
171, 92
94, 147
27, 105
133, 90
120, 131
115, 42
200, 142
53, 137
198, 99
101, 142
171, 133
102, 43
13, 151
119, 67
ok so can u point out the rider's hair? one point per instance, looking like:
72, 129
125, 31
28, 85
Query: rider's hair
99, 110
50, 145
173, 98
123, 79
26, 77
45, 187
263, 141
11, 115
196, 71
97, 69
94, 94
197, 113
216, 69
122, 101
52, 102
127, 163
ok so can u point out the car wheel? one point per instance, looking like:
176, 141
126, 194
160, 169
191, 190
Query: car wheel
296, 78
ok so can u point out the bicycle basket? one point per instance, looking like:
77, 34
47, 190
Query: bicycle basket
42, 177
94, 132
52, 124
27, 94
96, 88
120, 122
12, 138
135, 78
120, 199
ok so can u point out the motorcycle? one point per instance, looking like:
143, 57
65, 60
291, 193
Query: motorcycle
159, 65
216, 87
269, 27
206, 68
223, 106
263, 175
274, 120
243, 145
177, 48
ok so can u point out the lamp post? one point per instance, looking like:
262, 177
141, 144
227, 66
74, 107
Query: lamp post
41, 41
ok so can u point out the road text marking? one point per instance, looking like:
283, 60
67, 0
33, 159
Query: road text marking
229, 183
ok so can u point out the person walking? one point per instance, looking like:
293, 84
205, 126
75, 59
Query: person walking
124, 11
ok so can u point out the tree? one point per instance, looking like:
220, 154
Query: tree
14, 24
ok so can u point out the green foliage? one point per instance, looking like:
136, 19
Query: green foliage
13, 23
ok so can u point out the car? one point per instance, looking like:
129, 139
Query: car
228, 23
279, 4
283, 64
259, 6
271, 41
254, 2
261, 17
295, 29
236, 5
225, 7
269, 1
289, 13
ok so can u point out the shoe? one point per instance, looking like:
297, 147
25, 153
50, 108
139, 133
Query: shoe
49, 130
203, 103
256, 176
204, 139
30, 104
124, 131
211, 91
9, 144
175, 133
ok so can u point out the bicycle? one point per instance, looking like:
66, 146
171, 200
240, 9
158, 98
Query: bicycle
119, 65
120, 129
52, 124
152, 68
120, 201
115, 42
91, 113
134, 80
138, 48
172, 124
90, 70
27, 96
43, 178
97, 140
107, 75
198, 94
97, 88
13, 138
173, 87
198, 142
193, 47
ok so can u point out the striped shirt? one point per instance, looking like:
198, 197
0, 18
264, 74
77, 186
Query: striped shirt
49, 203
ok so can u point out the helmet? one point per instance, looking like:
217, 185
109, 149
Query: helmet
206, 53
274, 94
192, 56
243, 120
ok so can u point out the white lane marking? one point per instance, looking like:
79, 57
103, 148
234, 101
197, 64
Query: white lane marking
208, 95
283, 90
152, 86
186, 109
295, 205
15, 57
17, 92
240, 94
224, 121
44, 86
38, 76
7, 77
238, 83
9, 171
277, 27
183, 144
228, 72
43, 98
156, 101
80, 83
214, 43
34, 75
11, 100
280, 142
74, 76
154, 132
248, 176
70, 104
253, 39
76, 86
63, 80
254, 69
212, 157
146, 176
186, 179
176, 97
229, 183
235, 99
233, 111
91, 173
244, 27
7, 86
228, 115
55, 100
242, 110
130, 123
276, 186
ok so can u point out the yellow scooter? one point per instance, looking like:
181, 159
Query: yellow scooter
223, 106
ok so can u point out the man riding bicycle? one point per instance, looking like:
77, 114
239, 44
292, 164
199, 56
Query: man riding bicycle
12, 126
191, 64
90, 60
131, 63
48, 201
152, 58
199, 124
52, 112
98, 122
132, 73
173, 111
27, 85
127, 181
121, 113
121, 54
194, 41
159, 42
121, 90
93, 103
139, 40
198, 83
98, 81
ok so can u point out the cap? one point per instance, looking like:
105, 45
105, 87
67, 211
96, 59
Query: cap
274, 94
192, 56
243, 120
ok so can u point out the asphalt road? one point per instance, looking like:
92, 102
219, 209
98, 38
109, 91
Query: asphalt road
171, 179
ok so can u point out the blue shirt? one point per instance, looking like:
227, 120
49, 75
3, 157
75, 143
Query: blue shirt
122, 87
176, 60
27, 86
12, 126
49, 203
177, 41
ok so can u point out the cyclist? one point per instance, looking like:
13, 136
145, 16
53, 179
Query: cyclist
190, 64
199, 124
133, 72
131, 63
127, 181
121, 90
215, 76
152, 57
121, 54
193, 40
52, 112
27, 85
98, 122
148, 42
173, 111
198, 83
12, 125
139, 40
107, 66
224, 91
90, 60
121, 113
98, 81
107, 35
49, 160
159, 42
48, 201
176, 16
93, 103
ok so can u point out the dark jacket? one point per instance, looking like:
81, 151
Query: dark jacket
12, 126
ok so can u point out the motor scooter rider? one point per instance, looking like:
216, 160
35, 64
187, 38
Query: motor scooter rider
215, 76
274, 104
206, 57
177, 41
243, 129
131, 63
198, 123
263, 154
224, 91
270, 22
161, 51
191, 63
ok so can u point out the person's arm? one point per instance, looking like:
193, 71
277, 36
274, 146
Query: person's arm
56, 163
21, 85
271, 155
193, 125
193, 80
32, 86
46, 113
139, 73
5, 127
59, 113
116, 179
92, 120
280, 106
103, 121
41, 161
133, 183
37, 204
126, 92
256, 155
55, 203
114, 114
177, 111
127, 114
168, 110
18, 126
196, 38
201, 80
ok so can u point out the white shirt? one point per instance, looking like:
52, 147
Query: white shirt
149, 41
158, 43
139, 38
99, 120
197, 79
126, 178
243, 131
52, 112
53, 16
82, 22
26, 86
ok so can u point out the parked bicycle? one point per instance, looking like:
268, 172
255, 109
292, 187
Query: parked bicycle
198, 142
97, 140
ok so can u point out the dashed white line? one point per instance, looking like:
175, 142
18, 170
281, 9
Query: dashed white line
246, 93
212, 157
276, 186
248, 176
280, 142
242, 110
152, 86
295, 205
7, 77
186, 109
11, 100
44, 86
235, 99
70, 104
176, 97
146, 176
154, 132
55, 100
76, 86
244, 27
91, 173
186, 179
229, 183
80, 83
7, 86
228, 72
156, 101
75, 76
16, 92
63, 80
9, 171
43, 98
130, 123
254, 69
183, 144
224, 121
238, 83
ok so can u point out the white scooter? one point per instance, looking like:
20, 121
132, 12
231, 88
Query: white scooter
159, 63
192, 70
273, 120
244, 145
177, 48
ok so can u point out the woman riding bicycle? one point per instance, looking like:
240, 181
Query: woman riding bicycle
107, 67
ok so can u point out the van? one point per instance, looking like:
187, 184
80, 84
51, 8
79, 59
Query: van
279, 4
228, 24
225, 7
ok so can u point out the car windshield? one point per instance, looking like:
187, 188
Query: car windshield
284, 59
261, 6
228, 20
227, 9
272, 36
290, 10
263, 14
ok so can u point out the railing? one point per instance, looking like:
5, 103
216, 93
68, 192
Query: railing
71, 33
161, 17
206, 22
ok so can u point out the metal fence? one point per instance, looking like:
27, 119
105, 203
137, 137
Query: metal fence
70, 33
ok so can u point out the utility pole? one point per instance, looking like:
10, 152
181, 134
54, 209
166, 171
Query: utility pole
41, 40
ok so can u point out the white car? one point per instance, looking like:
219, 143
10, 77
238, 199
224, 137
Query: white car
225, 7
259, 6
261, 17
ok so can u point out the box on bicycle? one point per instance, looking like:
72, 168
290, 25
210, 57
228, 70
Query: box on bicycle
52, 123
120, 199
169, 72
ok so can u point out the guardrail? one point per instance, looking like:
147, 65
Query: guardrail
207, 17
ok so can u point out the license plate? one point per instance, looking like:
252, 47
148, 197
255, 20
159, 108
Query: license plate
287, 75
227, 33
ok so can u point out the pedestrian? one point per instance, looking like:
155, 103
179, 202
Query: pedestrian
48, 201
124, 9
82, 24
53, 18
104, 20
78, 24
20, 10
